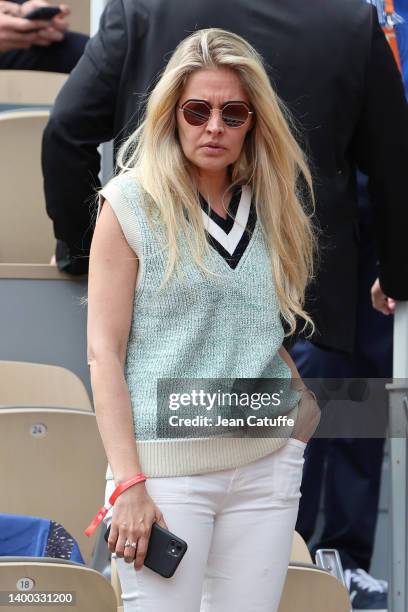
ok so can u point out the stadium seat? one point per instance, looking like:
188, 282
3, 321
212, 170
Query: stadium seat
300, 551
52, 465
115, 582
26, 233
39, 384
29, 87
80, 17
42, 318
308, 582
92, 591
308, 587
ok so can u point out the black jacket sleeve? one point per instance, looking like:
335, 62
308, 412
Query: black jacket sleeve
82, 119
381, 152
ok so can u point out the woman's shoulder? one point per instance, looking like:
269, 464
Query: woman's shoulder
130, 202
124, 185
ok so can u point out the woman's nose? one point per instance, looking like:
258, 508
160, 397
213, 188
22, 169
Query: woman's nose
215, 122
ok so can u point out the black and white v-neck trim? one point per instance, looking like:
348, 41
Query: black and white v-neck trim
230, 237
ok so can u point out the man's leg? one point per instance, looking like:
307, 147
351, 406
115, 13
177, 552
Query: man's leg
359, 461
314, 362
312, 480
353, 465
352, 488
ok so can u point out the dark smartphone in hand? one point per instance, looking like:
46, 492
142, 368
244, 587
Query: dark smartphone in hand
164, 552
45, 13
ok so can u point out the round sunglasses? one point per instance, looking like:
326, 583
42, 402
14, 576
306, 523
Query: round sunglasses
233, 114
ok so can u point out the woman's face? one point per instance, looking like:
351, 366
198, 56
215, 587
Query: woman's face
216, 86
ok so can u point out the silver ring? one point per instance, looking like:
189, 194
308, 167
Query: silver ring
131, 544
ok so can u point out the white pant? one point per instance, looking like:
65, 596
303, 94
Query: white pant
238, 525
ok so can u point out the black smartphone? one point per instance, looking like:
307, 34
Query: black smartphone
164, 552
44, 13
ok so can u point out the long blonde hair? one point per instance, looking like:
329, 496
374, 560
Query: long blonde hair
271, 161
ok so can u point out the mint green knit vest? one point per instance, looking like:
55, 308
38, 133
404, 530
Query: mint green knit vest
197, 327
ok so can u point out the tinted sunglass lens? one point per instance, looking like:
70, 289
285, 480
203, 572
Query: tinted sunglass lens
196, 113
235, 115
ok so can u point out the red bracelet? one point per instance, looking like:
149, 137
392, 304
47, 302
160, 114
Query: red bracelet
102, 512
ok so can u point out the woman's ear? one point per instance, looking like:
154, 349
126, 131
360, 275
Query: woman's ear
251, 128
249, 131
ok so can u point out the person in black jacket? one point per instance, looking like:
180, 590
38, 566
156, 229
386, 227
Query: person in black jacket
331, 65
37, 45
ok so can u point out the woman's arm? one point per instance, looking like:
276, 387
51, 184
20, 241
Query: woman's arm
289, 361
111, 286
309, 411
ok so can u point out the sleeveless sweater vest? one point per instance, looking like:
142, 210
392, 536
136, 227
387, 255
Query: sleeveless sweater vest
197, 327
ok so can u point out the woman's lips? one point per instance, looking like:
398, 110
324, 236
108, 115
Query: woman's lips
213, 149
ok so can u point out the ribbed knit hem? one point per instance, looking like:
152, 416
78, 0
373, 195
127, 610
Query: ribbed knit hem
202, 455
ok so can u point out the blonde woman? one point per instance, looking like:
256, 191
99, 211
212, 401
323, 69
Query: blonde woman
201, 249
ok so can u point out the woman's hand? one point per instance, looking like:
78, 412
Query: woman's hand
308, 417
134, 513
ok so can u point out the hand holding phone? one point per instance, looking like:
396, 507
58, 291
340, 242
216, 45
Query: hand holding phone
15, 32
164, 552
43, 13
49, 22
